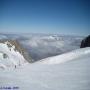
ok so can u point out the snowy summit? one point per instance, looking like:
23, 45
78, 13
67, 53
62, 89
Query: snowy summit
9, 56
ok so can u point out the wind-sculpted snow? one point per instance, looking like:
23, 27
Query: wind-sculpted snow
66, 57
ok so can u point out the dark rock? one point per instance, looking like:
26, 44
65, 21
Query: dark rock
85, 42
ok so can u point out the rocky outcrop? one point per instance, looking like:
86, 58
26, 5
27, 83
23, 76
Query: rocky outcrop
85, 42
18, 47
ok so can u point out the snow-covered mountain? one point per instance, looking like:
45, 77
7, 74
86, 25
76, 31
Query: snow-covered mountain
10, 55
69, 71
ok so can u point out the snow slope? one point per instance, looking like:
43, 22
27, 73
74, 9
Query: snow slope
67, 56
9, 56
72, 75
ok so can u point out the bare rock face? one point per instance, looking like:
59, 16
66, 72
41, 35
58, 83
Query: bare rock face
19, 48
85, 42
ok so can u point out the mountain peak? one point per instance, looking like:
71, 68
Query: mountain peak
12, 53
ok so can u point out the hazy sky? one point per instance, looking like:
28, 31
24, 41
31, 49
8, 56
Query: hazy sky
45, 16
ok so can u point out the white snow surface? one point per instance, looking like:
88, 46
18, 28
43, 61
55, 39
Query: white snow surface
66, 57
13, 57
51, 74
